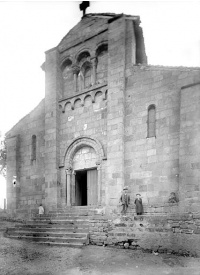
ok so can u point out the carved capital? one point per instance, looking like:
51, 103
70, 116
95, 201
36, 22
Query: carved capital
75, 69
94, 61
68, 171
98, 163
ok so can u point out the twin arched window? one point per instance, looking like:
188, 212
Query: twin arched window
86, 71
151, 121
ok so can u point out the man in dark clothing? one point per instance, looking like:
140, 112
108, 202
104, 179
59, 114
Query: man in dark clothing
138, 205
125, 200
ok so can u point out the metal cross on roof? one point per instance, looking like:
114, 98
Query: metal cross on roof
84, 5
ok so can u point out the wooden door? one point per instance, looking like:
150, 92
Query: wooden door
92, 198
77, 191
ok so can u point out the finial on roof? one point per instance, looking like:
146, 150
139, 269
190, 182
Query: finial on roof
84, 5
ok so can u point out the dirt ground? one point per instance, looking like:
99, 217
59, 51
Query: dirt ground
18, 257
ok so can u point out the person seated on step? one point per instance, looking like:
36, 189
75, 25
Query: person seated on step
41, 210
172, 198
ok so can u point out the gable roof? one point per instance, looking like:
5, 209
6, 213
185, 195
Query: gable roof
91, 25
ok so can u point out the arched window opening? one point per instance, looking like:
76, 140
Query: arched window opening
66, 63
33, 147
67, 76
102, 49
102, 63
151, 122
66, 70
87, 77
83, 57
80, 81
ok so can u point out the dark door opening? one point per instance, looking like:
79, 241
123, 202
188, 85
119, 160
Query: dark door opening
81, 188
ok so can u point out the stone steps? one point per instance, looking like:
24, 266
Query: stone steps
63, 221
62, 227
66, 227
73, 242
53, 229
74, 245
74, 235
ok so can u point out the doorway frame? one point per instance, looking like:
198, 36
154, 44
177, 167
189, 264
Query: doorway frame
86, 170
76, 145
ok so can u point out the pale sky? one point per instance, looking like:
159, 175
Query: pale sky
171, 31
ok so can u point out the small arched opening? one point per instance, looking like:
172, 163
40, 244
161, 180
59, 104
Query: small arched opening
151, 121
67, 76
102, 63
33, 148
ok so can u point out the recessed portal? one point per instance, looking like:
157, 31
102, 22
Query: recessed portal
81, 187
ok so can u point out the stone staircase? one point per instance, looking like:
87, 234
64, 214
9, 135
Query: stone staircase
63, 227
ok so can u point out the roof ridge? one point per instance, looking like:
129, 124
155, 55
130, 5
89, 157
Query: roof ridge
109, 14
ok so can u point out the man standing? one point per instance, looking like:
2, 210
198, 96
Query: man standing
125, 200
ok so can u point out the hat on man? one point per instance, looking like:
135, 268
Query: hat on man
125, 188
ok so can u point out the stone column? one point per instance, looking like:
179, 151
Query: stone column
76, 70
99, 171
94, 68
68, 193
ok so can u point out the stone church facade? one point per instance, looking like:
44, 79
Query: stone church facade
108, 120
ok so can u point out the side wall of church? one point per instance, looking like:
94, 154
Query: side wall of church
25, 162
152, 165
189, 149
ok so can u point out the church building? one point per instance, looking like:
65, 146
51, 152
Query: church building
108, 120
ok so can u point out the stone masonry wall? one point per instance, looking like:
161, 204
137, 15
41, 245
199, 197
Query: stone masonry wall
87, 119
115, 118
189, 149
30, 186
152, 164
53, 91
171, 233
12, 171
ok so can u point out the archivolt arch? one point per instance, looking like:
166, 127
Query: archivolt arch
80, 142
83, 55
102, 47
67, 62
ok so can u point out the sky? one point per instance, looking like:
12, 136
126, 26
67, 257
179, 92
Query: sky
29, 28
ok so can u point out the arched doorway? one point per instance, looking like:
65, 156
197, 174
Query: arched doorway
83, 161
84, 187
